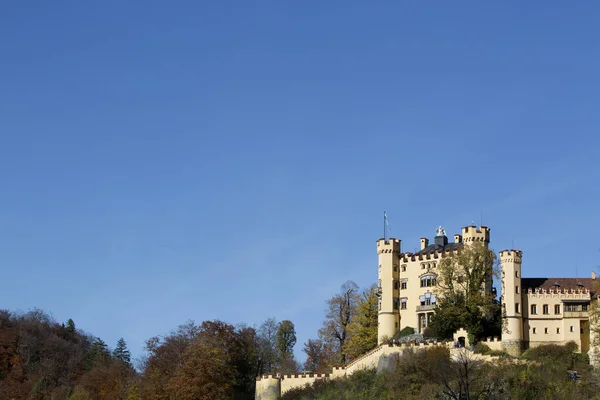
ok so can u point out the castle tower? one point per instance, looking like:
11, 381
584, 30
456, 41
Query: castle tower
512, 304
388, 252
470, 234
268, 387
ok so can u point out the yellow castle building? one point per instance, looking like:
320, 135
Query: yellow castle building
536, 310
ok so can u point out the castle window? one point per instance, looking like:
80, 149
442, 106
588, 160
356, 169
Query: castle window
428, 299
395, 304
396, 284
534, 331
395, 268
517, 308
517, 289
422, 266
557, 330
404, 268
403, 284
545, 309
584, 307
546, 331
379, 304
428, 281
572, 329
516, 274
557, 309
403, 304
534, 309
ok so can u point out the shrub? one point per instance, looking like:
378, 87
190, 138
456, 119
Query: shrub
558, 355
481, 348
498, 353
428, 333
406, 331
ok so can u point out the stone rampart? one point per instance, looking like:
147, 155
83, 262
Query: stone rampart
266, 385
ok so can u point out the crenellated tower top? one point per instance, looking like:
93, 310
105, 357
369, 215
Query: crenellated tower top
391, 245
510, 256
471, 234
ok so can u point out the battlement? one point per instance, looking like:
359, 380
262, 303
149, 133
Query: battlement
471, 234
508, 256
560, 291
268, 376
391, 245
434, 254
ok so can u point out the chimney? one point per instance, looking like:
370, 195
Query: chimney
593, 274
424, 243
457, 238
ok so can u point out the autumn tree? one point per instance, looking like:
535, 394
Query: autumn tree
341, 310
267, 346
464, 292
206, 371
164, 357
318, 356
362, 330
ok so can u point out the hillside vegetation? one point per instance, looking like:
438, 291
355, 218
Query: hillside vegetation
541, 374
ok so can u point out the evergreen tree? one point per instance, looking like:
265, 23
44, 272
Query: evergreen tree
286, 338
121, 352
98, 354
70, 326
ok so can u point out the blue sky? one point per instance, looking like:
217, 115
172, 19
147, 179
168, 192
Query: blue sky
232, 160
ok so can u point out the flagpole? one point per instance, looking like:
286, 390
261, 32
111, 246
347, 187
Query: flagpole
384, 227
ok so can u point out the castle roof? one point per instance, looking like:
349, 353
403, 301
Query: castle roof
437, 247
563, 283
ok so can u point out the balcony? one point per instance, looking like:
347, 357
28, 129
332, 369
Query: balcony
428, 307
576, 314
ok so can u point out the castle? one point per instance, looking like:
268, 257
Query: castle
536, 311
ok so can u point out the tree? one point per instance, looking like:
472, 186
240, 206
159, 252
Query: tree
98, 355
134, 393
286, 337
464, 293
121, 352
267, 346
318, 356
341, 310
363, 327
207, 370
70, 326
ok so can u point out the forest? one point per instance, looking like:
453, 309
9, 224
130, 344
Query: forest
41, 358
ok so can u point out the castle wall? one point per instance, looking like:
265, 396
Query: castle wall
493, 343
289, 382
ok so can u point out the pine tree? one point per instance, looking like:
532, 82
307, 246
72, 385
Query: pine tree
121, 352
97, 355
70, 326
